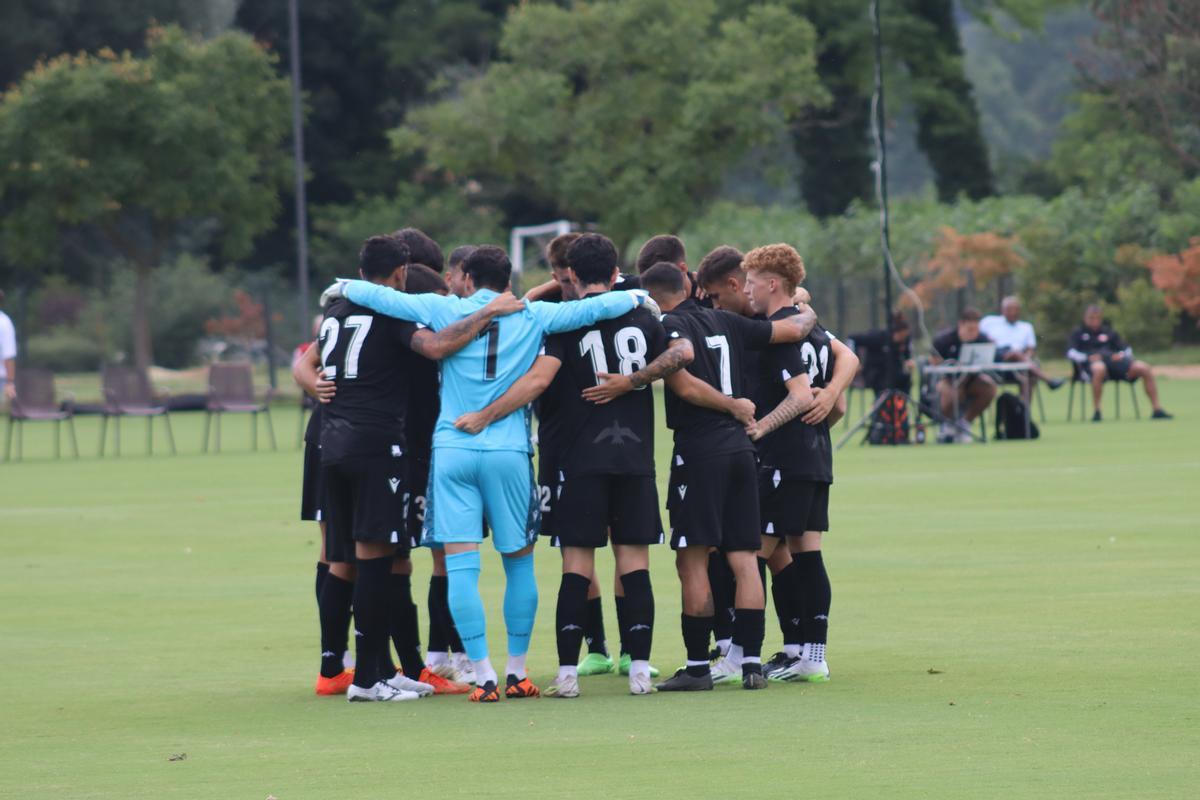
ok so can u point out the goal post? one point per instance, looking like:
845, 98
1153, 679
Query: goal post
541, 235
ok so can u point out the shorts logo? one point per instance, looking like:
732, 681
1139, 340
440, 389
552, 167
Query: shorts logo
683, 491
395, 537
394, 483
821, 616
770, 527
396, 451
776, 478
679, 461
639, 627
570, 628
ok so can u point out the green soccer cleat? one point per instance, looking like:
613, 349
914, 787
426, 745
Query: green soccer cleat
595, 664
627, 661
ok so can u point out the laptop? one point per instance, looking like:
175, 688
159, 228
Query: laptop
977, 354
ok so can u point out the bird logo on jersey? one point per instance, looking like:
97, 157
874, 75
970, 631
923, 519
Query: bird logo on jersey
617, 435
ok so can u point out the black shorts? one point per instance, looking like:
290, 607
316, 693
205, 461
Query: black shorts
588, 507
311, 501
364, 501
414, 498
1118, 368
548, 491
713, 502
791, 506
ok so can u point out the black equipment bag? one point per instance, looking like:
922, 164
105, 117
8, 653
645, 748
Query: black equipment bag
1010, 418
890, 425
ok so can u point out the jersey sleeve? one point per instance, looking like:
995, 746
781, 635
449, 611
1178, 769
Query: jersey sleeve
1075, 346
656, 338
402, 332
755, 333
429, 309
556, 347
569, 316
673, 328
788, 360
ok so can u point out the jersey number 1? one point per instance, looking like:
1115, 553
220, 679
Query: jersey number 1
492, 334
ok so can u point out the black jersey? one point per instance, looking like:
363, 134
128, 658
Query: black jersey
424, 405
615, 438
625, 281
797, 449
718, 339
948, 345
1085, 341
368, 357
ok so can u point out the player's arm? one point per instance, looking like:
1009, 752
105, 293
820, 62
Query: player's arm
1075, 347
549, 290
528, 387
692, 390
576, 314
845, 367
422, 308
794, 328
308, 375
457, 335
679, 354
797, 400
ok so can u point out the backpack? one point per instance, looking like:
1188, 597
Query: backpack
1011, 414
890, 425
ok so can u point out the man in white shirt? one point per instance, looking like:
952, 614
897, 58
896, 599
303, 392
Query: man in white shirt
8, 354
1016, 341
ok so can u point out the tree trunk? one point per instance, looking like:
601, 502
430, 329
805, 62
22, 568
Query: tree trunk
143, 346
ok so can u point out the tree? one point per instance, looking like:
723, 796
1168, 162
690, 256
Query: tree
140, 150
624, 112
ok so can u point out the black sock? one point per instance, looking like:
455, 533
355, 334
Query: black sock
695, 641
622, 622
334, 608
322, 571
720, 578
783, 593
593, 627
570, 616
814, 594
406, 627
638, 626
372, 619
748, 628
439, 609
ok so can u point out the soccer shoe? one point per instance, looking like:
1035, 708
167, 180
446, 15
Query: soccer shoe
754, 680
803, 671
776, 663
464, 670
518, 688
627, 661
565, 686
444, 669
595, 664
379, 693
1160, 414
338, 684
442, 685
402, 683
639, 683
488, 693
681, 681
724, 671
1096, 416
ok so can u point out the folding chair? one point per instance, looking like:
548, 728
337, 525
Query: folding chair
127, 393
36, 402
231, 391
1082, 376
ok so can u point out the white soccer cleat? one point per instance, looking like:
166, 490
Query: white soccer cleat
564, 686
403, 683
379, 693
725, 671
809, 668
463, 668
639, 683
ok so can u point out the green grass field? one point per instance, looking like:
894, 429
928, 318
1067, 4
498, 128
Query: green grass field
1010, 620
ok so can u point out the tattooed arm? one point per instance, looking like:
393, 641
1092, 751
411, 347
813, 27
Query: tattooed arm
454, 337
799, 397
679, 354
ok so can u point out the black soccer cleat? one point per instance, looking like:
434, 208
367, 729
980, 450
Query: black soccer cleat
776, 662
682, 681
754, 680
1160, 414
1096, 416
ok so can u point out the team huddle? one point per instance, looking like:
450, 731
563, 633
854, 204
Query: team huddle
423, 436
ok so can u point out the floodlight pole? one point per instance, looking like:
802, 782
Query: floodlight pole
298, 162
881, 134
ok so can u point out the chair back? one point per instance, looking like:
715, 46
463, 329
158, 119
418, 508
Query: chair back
126, 386
35, 391
231, 383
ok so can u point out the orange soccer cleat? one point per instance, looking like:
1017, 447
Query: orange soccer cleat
442, 685
338, 684
521, 687
485, 693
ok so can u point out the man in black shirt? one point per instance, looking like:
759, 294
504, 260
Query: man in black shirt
970, 394
886, 356
1099, 353
370, 359
713, 498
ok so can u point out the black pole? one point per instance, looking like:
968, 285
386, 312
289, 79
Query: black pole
298, 159
881, 134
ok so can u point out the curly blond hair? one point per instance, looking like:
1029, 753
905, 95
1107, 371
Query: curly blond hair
780, 260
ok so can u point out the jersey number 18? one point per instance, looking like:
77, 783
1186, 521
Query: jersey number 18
629, 344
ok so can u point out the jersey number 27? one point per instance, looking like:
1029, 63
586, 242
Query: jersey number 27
360, 326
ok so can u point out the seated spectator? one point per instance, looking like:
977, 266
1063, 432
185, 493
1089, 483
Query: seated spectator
1016, 341
1099, 353
886, 356
970, 394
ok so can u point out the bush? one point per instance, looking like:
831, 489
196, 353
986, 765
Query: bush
1141, 317
65, 350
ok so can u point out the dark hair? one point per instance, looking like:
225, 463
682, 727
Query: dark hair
593, 257
664, 277
1093, 307
718, 265
423, 280
556, 251
422, 249
489, 268
898, 322
460, 254
661, 248
381, 255
969, 315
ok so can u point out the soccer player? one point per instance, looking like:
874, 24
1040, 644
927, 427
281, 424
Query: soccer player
1099, 353
488, 474
795, 460
363, 450
666, 248
713, 498
604, 465
454, 273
